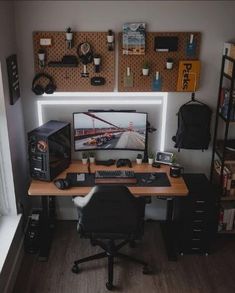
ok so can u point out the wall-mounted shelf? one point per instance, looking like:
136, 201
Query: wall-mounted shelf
222, 170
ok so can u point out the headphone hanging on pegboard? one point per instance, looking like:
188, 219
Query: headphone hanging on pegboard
85, 53
39, 89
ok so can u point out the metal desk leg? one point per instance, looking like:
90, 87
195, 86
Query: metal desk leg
46, 226
169, 232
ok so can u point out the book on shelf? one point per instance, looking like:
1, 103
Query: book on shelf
226, 219
224, 104
231, 179
229, 149
226, 181
229, 50
228, 177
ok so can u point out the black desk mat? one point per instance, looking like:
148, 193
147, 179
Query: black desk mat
143, 179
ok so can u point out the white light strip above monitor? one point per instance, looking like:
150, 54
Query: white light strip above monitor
140, 99
106, 94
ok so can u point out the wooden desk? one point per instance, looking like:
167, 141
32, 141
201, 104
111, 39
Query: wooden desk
48, 192
177, 188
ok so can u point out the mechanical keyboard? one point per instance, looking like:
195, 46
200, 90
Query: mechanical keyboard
116, 176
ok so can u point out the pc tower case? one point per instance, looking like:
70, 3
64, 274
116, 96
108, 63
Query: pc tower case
49, 148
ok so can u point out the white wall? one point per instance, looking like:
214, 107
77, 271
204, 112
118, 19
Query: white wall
214, 19
12, 125
13, 159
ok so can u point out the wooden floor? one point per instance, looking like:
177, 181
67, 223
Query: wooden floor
215, 273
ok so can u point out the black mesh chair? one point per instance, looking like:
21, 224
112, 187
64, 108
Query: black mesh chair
111, 219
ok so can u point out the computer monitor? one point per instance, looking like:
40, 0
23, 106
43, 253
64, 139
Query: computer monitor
110, 130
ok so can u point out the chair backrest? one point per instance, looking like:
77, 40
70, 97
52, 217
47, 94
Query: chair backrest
112, 210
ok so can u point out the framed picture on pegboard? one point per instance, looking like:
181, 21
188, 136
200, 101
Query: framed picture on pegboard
13, 78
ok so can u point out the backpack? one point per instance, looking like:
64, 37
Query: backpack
193, 127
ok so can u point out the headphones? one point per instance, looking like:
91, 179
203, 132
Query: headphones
62, 183
85, 53
38, 89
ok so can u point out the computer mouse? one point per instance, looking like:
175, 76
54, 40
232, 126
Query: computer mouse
62, 183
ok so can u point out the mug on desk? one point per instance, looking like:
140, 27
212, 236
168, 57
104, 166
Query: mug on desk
176, 170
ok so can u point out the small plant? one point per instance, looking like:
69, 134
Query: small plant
139, 159
68, 30
84, 155
151, 155
139, 156
146, 65
173, 160
91, 157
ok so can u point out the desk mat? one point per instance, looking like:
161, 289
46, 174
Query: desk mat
143, 179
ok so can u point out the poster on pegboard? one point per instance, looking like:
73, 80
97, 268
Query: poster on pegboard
72, 78
163, 53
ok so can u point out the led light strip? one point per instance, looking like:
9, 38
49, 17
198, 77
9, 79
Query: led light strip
106, 94
146, 99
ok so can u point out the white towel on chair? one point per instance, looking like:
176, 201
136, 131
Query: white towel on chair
82, 201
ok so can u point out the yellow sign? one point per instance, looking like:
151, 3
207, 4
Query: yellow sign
188, 76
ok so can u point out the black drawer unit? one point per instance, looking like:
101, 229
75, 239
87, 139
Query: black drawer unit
198, 220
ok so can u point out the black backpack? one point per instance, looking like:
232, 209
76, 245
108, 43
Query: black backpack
193, 127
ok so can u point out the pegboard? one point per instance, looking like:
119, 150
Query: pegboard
157, 62
69, 78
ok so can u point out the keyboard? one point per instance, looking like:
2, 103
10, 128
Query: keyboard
116, 176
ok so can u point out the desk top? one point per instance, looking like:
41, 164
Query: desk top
177, 188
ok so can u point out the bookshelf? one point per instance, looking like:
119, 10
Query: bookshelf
223, 152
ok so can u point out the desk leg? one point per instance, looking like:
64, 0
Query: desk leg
47, 225
169, 232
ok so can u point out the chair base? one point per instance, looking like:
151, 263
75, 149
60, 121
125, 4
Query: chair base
111, 251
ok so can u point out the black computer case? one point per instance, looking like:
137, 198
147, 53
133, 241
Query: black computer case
49, 148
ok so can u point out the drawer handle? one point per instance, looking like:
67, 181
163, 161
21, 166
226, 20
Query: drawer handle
197, 230
199, 211
195, 248
200, 201
197, 221
196, 239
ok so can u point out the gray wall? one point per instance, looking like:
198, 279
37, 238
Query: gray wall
15, 132
14, 114
214, 19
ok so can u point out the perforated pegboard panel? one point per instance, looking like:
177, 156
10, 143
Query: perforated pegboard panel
157, 62
67, 78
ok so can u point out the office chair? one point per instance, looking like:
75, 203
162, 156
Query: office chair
111, 215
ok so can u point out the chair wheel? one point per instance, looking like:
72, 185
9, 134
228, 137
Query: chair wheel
93, 243
75, 269
147, 270
109, 286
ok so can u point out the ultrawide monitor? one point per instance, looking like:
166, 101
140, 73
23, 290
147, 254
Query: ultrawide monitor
110, 130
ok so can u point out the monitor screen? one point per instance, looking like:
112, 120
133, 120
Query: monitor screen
110, 130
